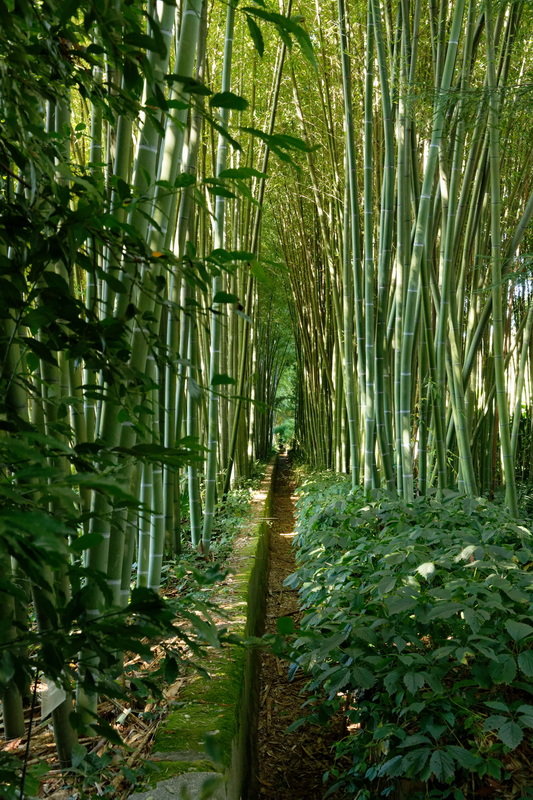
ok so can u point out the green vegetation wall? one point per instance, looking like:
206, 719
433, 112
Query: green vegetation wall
133, 174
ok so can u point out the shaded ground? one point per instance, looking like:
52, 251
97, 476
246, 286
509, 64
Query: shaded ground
291, 765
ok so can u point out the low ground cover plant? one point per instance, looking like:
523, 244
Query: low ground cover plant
418, 619
158, 640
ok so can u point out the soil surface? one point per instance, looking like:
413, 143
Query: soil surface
291, 765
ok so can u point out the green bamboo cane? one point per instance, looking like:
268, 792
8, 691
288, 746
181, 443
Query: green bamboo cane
403, 236
146, 159
195, 509
65, 735
519, 389
350, 276
497, 311
105, 557
157, 517
382, 402
418, 247
219, 239
147, 307
449, 191
178, 289
11, 696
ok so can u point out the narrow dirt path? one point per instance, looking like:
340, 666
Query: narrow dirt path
290, 765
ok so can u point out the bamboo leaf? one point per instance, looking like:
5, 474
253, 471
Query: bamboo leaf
184, 180
242, 172
259, 272
40, 350
281, 140
222, 380
85, 542
286, 26
225, 297
189, 85
228, 100
221, 191
141, 41
255, 33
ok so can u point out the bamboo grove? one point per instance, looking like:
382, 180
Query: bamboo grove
407, 245
131, 221
171, 174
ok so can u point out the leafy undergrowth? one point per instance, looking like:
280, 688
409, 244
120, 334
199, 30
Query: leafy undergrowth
165, 639
419, 622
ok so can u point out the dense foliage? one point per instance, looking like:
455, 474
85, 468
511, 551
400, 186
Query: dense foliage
418, 622
113, 277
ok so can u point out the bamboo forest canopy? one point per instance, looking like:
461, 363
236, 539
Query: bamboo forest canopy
407, 240
196, 196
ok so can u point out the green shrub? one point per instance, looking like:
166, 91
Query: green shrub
418, 620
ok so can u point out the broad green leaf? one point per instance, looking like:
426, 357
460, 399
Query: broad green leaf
433, 682
416, 738
497, 706
79, 753
427, 570
466, 553
525, 662
494, 722
362, 678
341, 678
260, 273
463, 757
391, 681
518, 630
414, 761
221, 191
393, 768
441, 765
399, 605
296, 724
511, 734
444, 610
285, 625
386, 584
287, 26
503, 670
414, 681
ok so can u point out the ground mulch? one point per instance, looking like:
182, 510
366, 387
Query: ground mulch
291, 765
